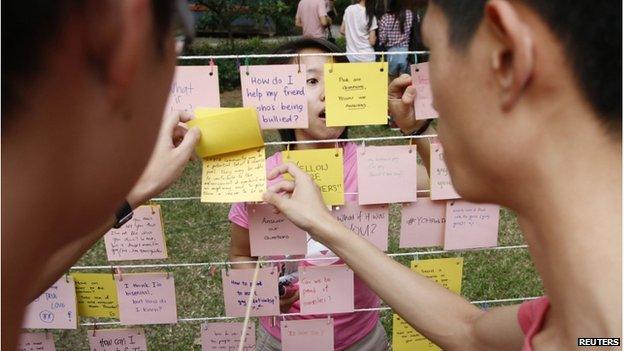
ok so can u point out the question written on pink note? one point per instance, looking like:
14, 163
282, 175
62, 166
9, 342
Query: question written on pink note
55, 308
423, 103
36, 342
146, 298
117, 340
422, 223
272, 233
470, 225
141, 238
386, 174
193, 87
277, 92
237, 288
308, 335
441, 185
325, 289
226, 336
369, 222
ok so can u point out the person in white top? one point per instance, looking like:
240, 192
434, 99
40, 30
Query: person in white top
358, 26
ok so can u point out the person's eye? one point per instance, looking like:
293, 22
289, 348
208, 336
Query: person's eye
312, 81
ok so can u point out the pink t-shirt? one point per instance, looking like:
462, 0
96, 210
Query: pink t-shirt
309, 12
349, 328
531, 317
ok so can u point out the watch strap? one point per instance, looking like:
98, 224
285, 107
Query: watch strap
123, 215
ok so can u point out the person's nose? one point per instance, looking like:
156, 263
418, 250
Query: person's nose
323, 96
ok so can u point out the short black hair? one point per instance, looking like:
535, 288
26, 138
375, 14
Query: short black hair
296, 46
589, 31
29, 30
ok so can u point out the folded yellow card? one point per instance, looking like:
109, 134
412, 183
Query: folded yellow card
235, 177
96, 295
356, 93
225, 130
325, 167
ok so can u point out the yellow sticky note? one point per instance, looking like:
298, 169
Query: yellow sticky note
325, 167
226, 130
356, 93
96, 295
405, 338
235, 177
445, 271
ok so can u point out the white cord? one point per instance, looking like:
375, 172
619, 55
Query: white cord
215, 57
210, 319
229, 263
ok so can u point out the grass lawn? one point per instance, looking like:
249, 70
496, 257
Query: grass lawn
197, 232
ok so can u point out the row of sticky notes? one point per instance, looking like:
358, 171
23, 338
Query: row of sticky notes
355, 93
447, 272
322, 290
386, 174
141, 238
139, 298
454, 224
296, 335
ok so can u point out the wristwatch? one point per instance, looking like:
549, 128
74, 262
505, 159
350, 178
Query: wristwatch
123, 215
420, 130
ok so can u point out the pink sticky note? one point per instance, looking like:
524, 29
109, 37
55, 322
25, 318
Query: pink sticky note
273, 234
369, 222
226, 336
386, 174
441, 185
36, 342
146, 298
308, 335
423, 104
277, 92
192, 87
422, 223
141, 238
325, 289
237, 287
117, 340
470, 225
55, 308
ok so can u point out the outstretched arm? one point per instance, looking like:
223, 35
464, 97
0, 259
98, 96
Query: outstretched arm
172, 152
444, 317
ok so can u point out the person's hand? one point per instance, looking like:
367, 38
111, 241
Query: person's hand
300, 200
173, 150
287, 301
401, 96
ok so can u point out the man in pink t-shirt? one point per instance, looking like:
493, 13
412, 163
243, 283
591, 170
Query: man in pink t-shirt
312, 17
530, 117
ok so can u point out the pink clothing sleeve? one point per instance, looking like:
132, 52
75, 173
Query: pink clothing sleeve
531, 315
238, 215
321, 8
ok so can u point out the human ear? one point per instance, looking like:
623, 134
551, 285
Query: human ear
512, 61
129, 48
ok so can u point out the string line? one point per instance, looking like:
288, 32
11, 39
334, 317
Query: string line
284, 315
333, 258
248, 56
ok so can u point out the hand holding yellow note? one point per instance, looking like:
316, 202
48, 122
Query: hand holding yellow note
96, 295
325, 167
225, 130
356, 93
444, 271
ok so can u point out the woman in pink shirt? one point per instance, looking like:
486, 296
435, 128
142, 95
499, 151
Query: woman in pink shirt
352, 331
